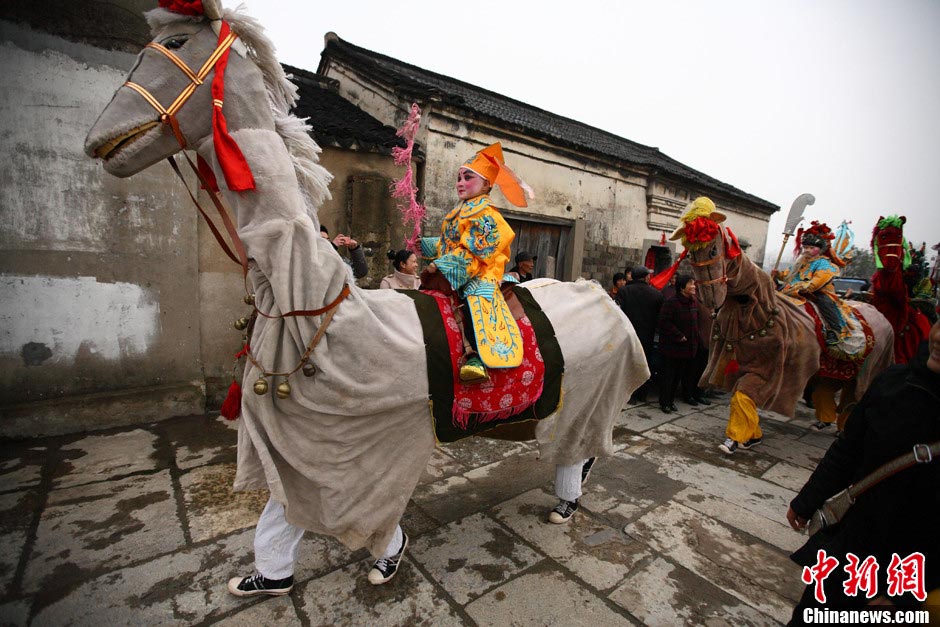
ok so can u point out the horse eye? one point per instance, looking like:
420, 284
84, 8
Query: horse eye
713, 252
175, 43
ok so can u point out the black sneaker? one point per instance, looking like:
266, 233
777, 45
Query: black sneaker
692, 402
586, 469
819, 425
386, 567
666, 409
258, 584
703, 401
563, 512
751, 443
729, 446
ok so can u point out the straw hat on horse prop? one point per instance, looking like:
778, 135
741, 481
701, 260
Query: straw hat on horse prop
889, 291
344, 441
764, 345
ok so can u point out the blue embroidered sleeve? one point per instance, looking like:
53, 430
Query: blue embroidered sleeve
430, 247
454, 269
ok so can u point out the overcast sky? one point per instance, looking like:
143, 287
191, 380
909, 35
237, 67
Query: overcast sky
838, 98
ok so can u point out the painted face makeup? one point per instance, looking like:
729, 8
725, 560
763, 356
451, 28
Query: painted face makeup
470, 184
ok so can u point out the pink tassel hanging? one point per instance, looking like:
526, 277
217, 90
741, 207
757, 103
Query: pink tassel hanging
404, 189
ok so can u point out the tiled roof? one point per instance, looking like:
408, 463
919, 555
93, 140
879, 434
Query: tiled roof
335, 120
411, 82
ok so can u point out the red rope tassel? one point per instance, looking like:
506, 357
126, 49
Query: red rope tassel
232, 405
732, 367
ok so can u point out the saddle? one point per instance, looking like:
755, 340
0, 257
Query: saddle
843, 360
513, 399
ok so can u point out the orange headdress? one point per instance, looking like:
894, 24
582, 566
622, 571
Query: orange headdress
489, 164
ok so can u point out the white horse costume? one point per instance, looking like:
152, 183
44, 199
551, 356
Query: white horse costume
344, 452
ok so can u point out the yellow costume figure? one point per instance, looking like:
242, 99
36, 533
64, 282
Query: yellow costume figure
811, 279
471, 254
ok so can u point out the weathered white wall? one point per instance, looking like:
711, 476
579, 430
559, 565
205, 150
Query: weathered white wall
98, 289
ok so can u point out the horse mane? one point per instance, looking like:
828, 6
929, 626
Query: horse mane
312, 177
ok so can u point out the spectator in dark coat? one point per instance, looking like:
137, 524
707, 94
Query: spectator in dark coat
641, 302
525, 266
357, 255
705, 320
901, 514
678, 344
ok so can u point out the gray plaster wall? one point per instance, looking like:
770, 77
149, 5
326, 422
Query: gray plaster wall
99, 321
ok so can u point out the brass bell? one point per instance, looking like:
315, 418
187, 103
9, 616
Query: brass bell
729, 348
309, 369
241, 324
762, 332
770, 323
714, 314
775, 311
283, 389
261, 387
716, 337
249, 299
751, 336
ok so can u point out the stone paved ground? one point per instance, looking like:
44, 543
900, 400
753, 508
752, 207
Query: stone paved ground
140, 526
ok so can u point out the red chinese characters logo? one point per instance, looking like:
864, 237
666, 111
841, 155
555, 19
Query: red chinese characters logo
862, 576
907, 575
903, 575
817, 573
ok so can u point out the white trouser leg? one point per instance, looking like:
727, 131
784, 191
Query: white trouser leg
394, 545
568, 481
277, 543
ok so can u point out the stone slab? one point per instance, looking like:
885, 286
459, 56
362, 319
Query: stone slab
772, 531
642, 418
14, 613
623, 487
102, 526
21, 467
661, 594
201, 440
17, 510
599, 554
442, 465
744, 567
477, 451
740, 490
212, 508
787, 475
99, 457
704, 447
472, 555
269, 612
184, 587
560, 601
484, 486
345, 597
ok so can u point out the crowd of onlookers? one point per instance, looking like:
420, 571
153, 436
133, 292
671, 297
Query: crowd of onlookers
673, 327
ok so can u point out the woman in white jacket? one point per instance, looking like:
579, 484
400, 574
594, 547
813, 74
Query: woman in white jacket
405, 276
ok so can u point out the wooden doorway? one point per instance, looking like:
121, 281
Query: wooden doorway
549, 241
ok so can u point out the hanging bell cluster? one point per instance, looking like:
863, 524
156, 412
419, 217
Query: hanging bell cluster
261, 387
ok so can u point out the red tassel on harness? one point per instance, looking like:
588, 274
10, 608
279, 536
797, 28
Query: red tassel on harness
732, 367
238, 175
660, 280
232, 405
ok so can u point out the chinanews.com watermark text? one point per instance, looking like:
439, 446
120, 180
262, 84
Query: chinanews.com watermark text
817, 616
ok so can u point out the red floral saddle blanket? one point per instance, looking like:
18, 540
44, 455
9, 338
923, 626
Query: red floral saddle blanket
531, 391
834, 364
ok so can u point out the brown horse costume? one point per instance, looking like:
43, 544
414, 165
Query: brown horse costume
764, 346
889, 291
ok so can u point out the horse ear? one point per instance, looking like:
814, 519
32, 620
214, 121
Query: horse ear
732, 248
212, 9
903, 220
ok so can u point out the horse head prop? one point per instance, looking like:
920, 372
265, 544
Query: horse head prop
712, 248
888, 244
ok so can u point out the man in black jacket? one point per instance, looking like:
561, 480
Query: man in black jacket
901, 514
641, 302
